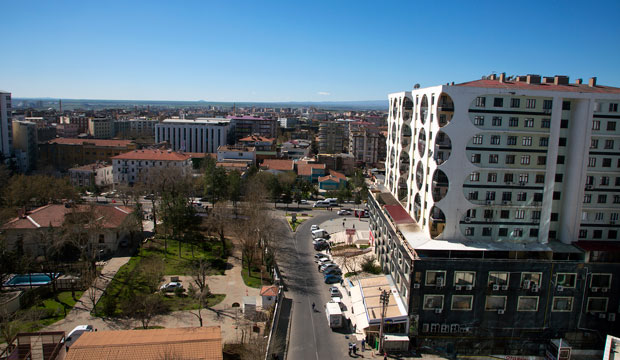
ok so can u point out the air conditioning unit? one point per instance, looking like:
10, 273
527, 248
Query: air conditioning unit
437, 311
454, 328
602, 315
445, 328
611, 316
495, 287
604, 289
457, 287
500, 312
526, 284
488, 219
489, 202
594, 289
439, 282
589, 186
535, 288
560, 288
504, 287
467, 219
469, 287
416, 286
522, 183
425, 327
505, 202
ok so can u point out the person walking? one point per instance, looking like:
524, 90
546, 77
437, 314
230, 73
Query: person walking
363, 344
350, 348
313, 306
354, 349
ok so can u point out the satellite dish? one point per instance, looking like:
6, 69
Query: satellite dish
416, 86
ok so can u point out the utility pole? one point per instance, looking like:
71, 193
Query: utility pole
385, 300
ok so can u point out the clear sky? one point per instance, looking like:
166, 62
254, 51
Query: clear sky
294, 50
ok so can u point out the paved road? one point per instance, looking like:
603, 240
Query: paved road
310, 336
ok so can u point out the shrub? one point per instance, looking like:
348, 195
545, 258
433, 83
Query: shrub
109, 306
179, 291
218, 263
369, 266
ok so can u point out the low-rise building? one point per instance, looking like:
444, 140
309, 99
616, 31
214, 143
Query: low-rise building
237, 154
261, 143
97, 174
311, 172
277, 166
136, 166
338, 162
48, 345
65, 153
295, 149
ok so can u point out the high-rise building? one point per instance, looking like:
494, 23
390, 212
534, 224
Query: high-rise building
25, 145
332, 137
202, 135
244, 126
6, 126
364, 142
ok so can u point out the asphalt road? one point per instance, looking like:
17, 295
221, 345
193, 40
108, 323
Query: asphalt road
310, 336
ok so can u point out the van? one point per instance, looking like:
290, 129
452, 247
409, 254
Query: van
331, 201
320, 233
321, 203
76, 333
334, 315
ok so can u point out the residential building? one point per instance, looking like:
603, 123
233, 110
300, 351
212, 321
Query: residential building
65, 153
364, 142
338, 162
261, 143
25, 145
288, 122
243, 126
331, 182
135, 127
101, 128
486, 222
311, 172
295, 149
203, 135
200, 343
6, 125
26, 233
91, 175
243, 154
331, 137
612, 348
136, 166
277, 166
80, 121
68, 130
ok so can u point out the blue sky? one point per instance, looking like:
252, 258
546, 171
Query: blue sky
294, 51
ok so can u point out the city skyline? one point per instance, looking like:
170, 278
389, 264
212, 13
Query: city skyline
283, 52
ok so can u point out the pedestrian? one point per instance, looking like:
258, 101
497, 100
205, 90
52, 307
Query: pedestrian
313, 306
343, 224
354, 226
354, 349
363, 344
350, 348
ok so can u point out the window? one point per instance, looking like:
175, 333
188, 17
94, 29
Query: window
596, 125
494, 303
604, 180
510, 159
597, 304
522, 196
547, 104
513, 122
562, 141
600, 281
475, 176
528, 123
497, 121
616, 199
597, 234
462, 302
613, 107
591, 162
492, 177
543, 141
519, 214
560, 159
515, 103
526, 141
541, 160
602, 198
486, 231
564, 124
617, 180
101, 239
517, 232
527, 303
583, 234
502, 232
433, 302
611, 126
498, 278
490, 195
471, 213
464, 278
612, 234
512, 140
493, 158
545, 123
481, 101
473, 195
469, 231
530, 103
589, 180
498, 102
530, 278
504, 214
478, 139
433, 278
593, 143
540, 178
567, 280
599, 216
562, 304
525, 159
495, 139
536, 215
508, 178
609, 144
587, 198
524, 178
479, 120
475, 158
606, 162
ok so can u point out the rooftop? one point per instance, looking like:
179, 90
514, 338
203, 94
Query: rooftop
176, 343
255, 138
96, 142
236, 148
307, 169
282, 165
204, 121
54, 215
329, 177
535, 82
245, 117
91, 167
365, 295
150, 154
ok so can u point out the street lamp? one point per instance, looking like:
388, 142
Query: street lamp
385, 300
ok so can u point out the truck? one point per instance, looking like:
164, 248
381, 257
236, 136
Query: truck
334, 315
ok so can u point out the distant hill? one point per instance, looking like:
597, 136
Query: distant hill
88, 104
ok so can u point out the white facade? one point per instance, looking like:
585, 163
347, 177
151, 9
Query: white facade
6, 131
227, 153
507, 161
135, 166
90, 175
101, 128
200, 136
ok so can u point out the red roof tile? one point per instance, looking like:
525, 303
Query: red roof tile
97, 142
275, 164
329, 177
54, 215
269, 291
306, 169
255, 138
162, 155
337, 174
522, 85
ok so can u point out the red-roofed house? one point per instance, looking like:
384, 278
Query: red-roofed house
276, 166
26, 233
134, 166
269, 295
261, 143
311, 172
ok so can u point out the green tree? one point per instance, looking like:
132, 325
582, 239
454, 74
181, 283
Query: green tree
235, 186
275, 189
215, 181
179, 217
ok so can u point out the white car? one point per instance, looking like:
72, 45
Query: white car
171, 286
334, 292
314, 227
76, 333
344, 212
324, 257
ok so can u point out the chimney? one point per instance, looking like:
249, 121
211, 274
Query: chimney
533, 79
560, 80
548, 80
492, 77
521, 78
579, 81
592, 82
502, 77
21, 212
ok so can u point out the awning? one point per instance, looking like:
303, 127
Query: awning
401, 338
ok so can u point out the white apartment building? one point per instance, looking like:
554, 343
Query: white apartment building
236, 153
101, 128
97, 174
6, 131
134, 166
364, 142
202, 135
514, 160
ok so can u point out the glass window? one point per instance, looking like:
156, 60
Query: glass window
530, 278
567, 280
435, 277
432, 302
527, 303
480, 101
462, 302
600, 281
562, 304
597, 304
464, 278
494, 303
498, 278
513, 122
515, 103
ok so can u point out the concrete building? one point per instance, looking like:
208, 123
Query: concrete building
203, 135
135, 127
6, 125
97, 174
63, 153
136, 166
25, 145
485, 221
243, 126
332, 138
244, 154
261, 143
364, 142
288, 122
101, 128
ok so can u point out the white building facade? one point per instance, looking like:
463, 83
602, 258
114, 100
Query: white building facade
515, 160
203, 135
6, 130
135, 166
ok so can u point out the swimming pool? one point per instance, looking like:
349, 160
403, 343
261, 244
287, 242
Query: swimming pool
29, 280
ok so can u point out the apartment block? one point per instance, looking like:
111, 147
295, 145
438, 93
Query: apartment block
101, 128
332, 137
25, 145
244, 126
202, 135
364, 142
138, 165
91, 175
496, 221
6, 126
64, 153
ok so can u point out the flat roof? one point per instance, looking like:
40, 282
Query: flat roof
370, 289
213, 121
523, 85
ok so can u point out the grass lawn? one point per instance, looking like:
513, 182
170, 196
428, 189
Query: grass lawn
46, 311
254, 280
177, 303
176, 265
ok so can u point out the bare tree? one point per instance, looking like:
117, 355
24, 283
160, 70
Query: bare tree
145, 308
92, 293
201, 292
219, 222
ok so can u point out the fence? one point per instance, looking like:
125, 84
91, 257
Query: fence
276, 345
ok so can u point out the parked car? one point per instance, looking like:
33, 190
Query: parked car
303, 202
76, 333
326, 267
325, 261
318, 241
322, 257
171, 286
332, 271
321, 246
344, 212
319, 255
332, 279
334, 292
323, 204
314, 227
